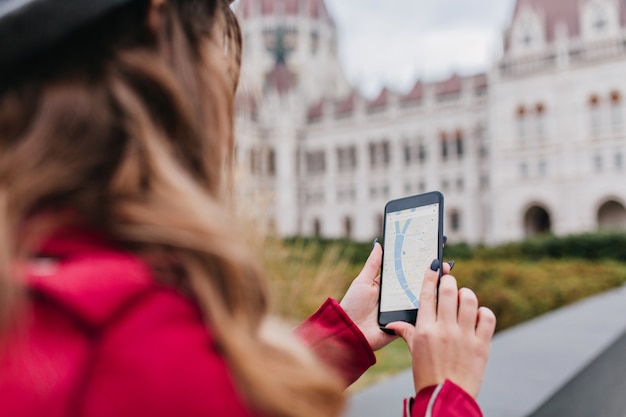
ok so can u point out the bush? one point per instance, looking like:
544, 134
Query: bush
518, 291
590, 246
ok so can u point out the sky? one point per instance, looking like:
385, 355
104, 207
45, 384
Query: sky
394, 43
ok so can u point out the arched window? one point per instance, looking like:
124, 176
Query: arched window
595, 122
616, 111
540, 120
521, 120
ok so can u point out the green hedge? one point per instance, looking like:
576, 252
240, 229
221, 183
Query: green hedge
590, 246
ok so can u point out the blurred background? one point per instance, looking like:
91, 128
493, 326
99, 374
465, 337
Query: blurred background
513, 109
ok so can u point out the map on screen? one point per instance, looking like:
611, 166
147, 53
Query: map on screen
411, 239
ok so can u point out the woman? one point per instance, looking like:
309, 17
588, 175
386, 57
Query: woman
125, 288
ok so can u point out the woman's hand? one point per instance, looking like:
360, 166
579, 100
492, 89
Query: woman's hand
452, 336
361, 300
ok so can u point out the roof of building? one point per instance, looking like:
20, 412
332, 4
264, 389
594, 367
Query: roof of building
416, 93
315, 9
347, 104
455, 85
450, 86
380, 101
555, 12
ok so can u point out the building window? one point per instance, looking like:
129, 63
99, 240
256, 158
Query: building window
346, 193
315, 42
422, 152
618, 159
616, 111
523, 169
484, 181
317, 227
600, 21
347, 227
481, 137
271, 162
595, 121
542, 168
445, 185
346, 158
455, 220
444, 146
459, 184
414, 151
315, 162
521, 120
254, 160
385, 191
459, 143
540, 120
380, 154
315, 197
597, 163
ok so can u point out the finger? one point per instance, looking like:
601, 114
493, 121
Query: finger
446, 268
372, 264
486, 325
448, 300
428, 296
403, 329
468, 310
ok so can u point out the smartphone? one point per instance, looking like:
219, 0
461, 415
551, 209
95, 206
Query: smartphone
412, 239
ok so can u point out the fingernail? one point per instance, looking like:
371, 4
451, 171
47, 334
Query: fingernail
435, 265
374, 244
451, 263
388, 331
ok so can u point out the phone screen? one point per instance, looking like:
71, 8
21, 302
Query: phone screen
411, 241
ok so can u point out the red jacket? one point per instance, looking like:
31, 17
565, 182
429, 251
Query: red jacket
100, 338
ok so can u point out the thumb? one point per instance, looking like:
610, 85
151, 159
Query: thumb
403, 329
372, 265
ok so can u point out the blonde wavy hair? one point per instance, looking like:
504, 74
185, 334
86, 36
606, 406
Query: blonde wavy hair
129, 123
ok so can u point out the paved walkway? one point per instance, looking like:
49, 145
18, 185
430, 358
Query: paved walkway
534, 364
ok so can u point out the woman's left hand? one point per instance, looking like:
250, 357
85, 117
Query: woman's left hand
361, 301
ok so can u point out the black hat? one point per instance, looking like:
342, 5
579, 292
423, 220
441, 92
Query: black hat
27, 26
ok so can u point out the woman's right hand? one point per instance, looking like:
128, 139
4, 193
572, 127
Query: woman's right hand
452, 336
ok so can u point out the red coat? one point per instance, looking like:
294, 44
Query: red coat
100, 338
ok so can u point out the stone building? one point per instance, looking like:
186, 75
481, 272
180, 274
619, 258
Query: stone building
534, 144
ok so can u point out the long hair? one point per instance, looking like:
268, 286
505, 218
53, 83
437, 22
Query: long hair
130, 126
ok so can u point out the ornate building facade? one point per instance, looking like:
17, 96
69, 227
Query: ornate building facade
534, 144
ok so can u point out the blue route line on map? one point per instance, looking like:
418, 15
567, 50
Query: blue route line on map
397, 261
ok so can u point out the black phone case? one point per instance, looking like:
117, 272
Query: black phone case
419, 200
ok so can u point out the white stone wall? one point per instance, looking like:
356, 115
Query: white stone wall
569, 185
